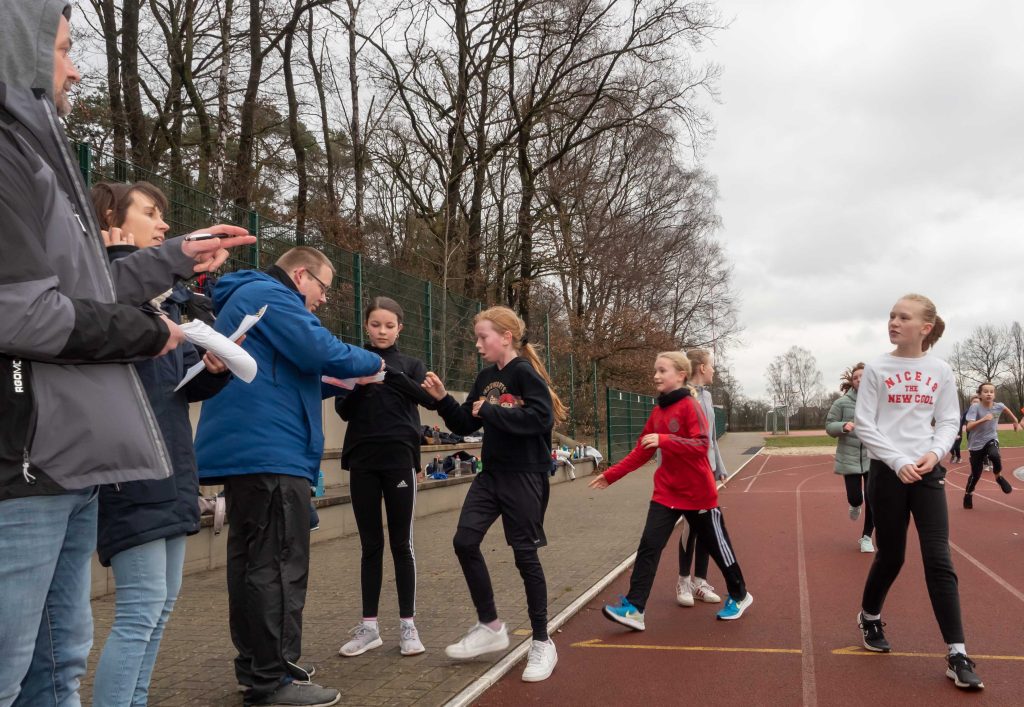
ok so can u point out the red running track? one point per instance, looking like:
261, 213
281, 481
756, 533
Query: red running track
798, 644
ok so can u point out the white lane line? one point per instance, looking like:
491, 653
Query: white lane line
754, 477
977, 563
476, 688
987, 498
810, 688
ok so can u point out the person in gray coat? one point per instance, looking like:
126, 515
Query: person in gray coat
690, 588
74, 414
852, 461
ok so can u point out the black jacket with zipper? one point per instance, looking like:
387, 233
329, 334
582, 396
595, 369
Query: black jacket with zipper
384, 428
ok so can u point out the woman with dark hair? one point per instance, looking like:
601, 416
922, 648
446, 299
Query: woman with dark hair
382, 454
852, 461
143, 524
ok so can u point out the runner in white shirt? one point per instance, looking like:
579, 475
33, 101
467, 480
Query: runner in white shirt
901, 394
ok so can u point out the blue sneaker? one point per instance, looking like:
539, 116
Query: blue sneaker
734, 609
625, 614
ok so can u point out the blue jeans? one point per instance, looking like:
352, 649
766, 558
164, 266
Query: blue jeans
147, 578
46, 545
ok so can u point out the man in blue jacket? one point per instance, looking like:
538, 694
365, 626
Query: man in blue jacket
264, 442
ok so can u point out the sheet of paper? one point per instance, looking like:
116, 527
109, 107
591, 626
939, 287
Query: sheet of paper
237, 360
349, 383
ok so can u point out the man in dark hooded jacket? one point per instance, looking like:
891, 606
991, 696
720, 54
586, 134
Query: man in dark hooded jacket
73, 414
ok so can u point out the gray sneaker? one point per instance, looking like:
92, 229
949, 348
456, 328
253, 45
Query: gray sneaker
297, 671
410, 641
298, 694
364, 638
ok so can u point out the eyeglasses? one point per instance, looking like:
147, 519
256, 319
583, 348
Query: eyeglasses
324, 289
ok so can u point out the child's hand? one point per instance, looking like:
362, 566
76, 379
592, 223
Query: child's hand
987, 418
477, 405
598, 482
848, 427
1016, 426
649, 441
925, 464
908, 474
433, 385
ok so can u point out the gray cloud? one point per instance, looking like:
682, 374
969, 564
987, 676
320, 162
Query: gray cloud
865, 150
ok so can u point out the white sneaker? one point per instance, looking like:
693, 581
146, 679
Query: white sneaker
541, 662
364, 637
704, 591
684, 592
854, 512
410, 640
865, 544
478, 641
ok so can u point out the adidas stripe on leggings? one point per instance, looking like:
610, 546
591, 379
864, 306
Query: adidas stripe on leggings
398, 489
709, 527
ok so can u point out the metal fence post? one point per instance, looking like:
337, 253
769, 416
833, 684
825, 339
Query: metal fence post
479, 360
428, 307
597, 411
357, 283
85, 163
608, 409
547, 343
255, 250
572, 397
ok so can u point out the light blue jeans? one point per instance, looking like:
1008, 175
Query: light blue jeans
147, 579
46, 546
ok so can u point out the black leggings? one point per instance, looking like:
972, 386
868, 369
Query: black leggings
894, 503
398, 489
856, 497
978, 456
520, 500
709, 527
692, 549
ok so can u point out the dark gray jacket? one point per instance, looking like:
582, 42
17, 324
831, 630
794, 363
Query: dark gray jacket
72, 410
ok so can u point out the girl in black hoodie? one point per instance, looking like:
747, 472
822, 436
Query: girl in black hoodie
382, 454
514, 403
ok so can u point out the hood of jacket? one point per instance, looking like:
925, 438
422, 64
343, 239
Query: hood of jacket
27, 36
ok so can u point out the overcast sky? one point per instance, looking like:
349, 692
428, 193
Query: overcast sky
865, 150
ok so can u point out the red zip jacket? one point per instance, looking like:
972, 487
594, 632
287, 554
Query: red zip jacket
684, 480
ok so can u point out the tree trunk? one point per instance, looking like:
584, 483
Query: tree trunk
108, 19
244, 170
358, 149
296, 141
136, 119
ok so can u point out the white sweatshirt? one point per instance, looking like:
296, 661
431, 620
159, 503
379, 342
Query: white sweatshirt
897, 401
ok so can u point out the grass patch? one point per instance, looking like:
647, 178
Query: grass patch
786, 441
1007, 438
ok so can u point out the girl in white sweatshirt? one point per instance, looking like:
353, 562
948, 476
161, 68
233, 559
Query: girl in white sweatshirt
901, 394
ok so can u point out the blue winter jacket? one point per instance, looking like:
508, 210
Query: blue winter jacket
274, 424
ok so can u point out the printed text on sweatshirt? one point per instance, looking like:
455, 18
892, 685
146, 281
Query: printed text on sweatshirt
899, 398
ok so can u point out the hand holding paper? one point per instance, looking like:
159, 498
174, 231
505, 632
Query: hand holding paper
234, 356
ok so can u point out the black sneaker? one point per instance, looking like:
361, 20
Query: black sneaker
968, 501
960, 669
1003, 484
298, 694
874, 636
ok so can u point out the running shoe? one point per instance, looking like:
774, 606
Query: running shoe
874, 636
365, 637
704, 591
734, 609
299, 694
625, 614
410, 641
541, 661
960, 669
854, 512
865, 544
1003, 484
968, 501
684, 592
478, 641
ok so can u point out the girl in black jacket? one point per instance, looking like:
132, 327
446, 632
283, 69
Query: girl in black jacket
514, 402
143, 524
382, 454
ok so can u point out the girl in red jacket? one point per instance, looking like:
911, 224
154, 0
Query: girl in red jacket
683, 486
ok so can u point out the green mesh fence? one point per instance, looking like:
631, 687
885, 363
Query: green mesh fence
627, 412
438, 323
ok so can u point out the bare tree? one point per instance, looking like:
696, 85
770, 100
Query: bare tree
985, 356
794, 378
